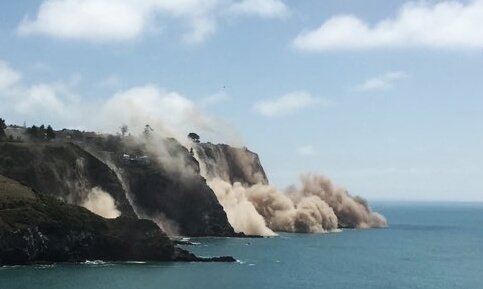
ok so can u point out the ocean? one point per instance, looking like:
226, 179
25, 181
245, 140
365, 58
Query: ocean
427, 245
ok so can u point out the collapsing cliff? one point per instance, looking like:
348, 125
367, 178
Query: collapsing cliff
149, 188
231, 164
162, 181
156, 178
253, 207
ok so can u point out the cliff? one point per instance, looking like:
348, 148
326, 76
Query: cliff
36, 228
231, 164
165, 185
176, 198
62, 170
318, 205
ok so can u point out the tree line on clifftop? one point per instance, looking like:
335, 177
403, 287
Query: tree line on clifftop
34, 132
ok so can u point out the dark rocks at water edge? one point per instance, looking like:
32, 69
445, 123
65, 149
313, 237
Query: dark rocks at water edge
192, 258
36, 228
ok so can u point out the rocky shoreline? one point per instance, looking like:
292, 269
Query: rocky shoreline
38, 229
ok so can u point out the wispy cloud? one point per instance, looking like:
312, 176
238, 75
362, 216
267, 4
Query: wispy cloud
381, 82
287, 104
409, 171
102, 21
58, 104
262, 8
214, 99
8, 76
448, 24
112, 81
306, 150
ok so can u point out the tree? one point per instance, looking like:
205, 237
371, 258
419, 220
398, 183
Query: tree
194, 137
50, 133
148, 131
42, 134
3, 126
124, 129
33, 131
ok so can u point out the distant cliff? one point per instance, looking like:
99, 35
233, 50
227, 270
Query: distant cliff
231, 164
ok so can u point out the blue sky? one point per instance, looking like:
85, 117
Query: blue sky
382, 96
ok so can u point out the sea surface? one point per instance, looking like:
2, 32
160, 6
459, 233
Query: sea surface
427, 245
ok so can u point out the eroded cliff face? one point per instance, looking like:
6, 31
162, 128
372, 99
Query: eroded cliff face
167, 190
38, 228
254, 207
163, 183
160, 180
62, 170
230, 164
182, 206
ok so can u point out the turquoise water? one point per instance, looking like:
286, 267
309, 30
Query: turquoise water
426, 246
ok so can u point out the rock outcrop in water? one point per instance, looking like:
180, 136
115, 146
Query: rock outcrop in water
36, 228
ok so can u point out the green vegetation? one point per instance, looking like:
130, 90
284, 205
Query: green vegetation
41, 133
194, 137
21, 208
124, 130
54, 231
3, 126
148, 131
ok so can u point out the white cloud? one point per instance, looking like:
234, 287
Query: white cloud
406, 171
168, 112
117, 20
126, 20
287, 104
262, 8
306, 150
40, 98
214, 99
382, 82
52, 103
111, 81
8, 76
138, 106
96, 20
448, 24
201, 29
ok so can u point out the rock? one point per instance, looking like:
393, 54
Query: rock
185, 256
169, 189
231, 164
228, 259
62, 170
36, 228
69, 171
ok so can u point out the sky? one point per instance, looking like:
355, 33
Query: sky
384, 97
